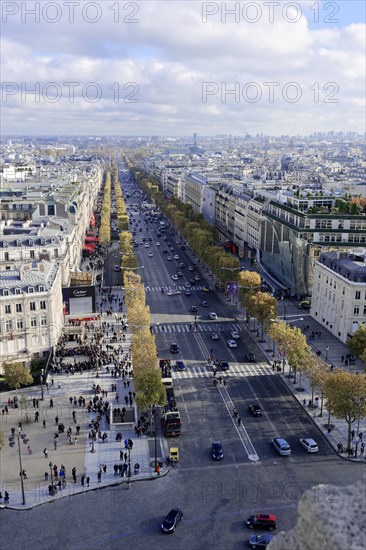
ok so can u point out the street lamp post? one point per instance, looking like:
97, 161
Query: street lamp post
23, 437
42, 373
326, 354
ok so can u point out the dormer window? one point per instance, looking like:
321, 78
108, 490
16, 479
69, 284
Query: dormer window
43, 241
19, 243
17, 291
30, 242
5, 292
30, 290
41, 288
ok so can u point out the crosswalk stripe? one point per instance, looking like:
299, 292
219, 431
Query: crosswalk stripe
235, 370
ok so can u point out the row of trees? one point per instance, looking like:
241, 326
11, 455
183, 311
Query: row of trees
105, 222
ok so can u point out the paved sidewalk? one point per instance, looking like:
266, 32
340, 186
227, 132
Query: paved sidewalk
77, 455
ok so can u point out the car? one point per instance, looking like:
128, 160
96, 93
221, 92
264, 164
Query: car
180, 274
117, 268
262, 521
150, 254
194, 309
174, 348
147, 245
181, 265
204, 303
232, 344
250, 357
212, 316
165, 252
173, 292
197, 278
187, 292
206, 289
214, 336
150, 239
192, 281
157, 244
187, 284
190, 268
179, 365
255, 410
144, 239
172, 520
176, 257
222, 365
309, 444
260, 541
175, 277
281, 446
169, 258
217, 451
235, 334
183, 247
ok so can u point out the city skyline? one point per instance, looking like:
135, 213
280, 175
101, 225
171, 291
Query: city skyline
177, 68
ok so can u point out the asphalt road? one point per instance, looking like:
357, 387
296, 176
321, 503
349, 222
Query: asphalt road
215, 497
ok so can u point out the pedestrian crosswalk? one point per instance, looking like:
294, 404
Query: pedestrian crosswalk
236, 369
200, 327
182, 288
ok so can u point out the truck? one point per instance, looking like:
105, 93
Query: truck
171, 424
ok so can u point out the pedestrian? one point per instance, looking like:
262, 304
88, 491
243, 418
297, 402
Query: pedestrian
304, 402
87, 481
51, 403
224, 382
46, 476
56, 420
360, 435
6, 497
125, 457
239, 420
44, 423
29, 450
77, 430
55, 444
82, 480
99, 476
45, 452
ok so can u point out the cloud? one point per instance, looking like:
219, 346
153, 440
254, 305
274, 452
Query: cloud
148, 76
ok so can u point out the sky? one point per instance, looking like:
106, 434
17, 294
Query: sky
181, 67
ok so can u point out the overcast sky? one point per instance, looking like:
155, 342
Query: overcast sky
178, 67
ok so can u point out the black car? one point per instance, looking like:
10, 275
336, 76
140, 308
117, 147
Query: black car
194, 309
174, 348
171, 521
222, 365
255, 410
217, 452
262, 521
250, 357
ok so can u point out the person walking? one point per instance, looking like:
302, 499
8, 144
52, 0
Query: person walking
99, 475
239, 420
44, 422
82, 480
45, 452
51, 403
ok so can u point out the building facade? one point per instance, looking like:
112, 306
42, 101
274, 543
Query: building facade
339, 292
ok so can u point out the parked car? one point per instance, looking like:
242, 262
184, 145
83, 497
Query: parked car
217, 451
281, 446
117, 268
255, 410
260, 541
309, 444
262, 521
172, 520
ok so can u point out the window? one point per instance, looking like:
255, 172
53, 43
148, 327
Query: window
364, 310
5, 292
8, 308
8, 325
358, 294
43, 321
31, 254
30, 290
20, 324
6, 256
42, 304
33, 322
18, 308
56, 252
32, 306
17, 291
41, 289
356, 310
